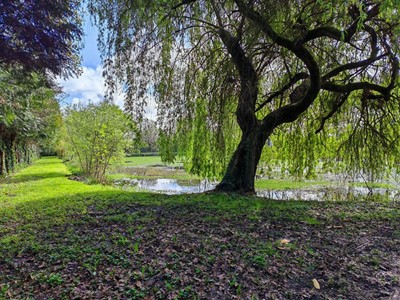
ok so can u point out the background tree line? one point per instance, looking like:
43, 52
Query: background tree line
38, 41
30, 116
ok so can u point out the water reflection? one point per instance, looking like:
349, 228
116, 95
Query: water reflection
328, 193
173, 186
168, 186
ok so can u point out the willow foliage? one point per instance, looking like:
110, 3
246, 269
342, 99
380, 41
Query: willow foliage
180, 53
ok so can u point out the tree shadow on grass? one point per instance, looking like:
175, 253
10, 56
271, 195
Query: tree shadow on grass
19, 178
135, 245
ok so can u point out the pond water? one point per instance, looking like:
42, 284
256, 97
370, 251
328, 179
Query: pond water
168, 186
327, 193
173, 187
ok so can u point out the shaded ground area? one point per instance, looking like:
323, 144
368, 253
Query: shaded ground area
103, 244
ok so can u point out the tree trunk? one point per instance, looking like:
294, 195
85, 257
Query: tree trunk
10, 153
241, 171
2, 162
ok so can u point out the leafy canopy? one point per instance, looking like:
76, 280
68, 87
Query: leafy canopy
95, 135
325, 76
41, 35
29, 116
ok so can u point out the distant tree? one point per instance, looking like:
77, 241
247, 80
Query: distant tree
38, 40
149, 135
280, 68
95, 136
40, 35
29, 114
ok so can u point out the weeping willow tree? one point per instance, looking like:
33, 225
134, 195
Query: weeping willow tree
230, 75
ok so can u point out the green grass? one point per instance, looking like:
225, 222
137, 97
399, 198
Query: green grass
143, 161
42, 196
44, 189
57, 235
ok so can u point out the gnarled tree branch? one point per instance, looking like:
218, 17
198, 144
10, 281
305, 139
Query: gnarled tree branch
341, 35
296, 78
184, 2
336, 107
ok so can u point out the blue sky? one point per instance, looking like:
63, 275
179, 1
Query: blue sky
89, 86
90, 53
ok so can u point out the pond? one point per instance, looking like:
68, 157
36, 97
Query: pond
328, 193
323, 193
168, 186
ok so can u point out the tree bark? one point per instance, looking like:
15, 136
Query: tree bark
241, 171
10, 154
242, 167
2, 162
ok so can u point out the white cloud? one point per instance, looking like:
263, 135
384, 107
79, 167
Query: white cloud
89, 86
151, 108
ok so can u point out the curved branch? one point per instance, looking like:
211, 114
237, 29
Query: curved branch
260, 22
290, 112
351, 87
248, 80
351, 66
292, 82
184, 2
363, 63
341, 35
332, 112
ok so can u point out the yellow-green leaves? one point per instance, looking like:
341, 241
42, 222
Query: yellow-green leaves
95, 136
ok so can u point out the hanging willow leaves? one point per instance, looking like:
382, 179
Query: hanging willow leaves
318, 80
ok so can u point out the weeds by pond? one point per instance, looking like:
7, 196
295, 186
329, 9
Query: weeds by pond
63, 239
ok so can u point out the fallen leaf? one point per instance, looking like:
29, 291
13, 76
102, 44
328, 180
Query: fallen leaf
284, 241
316, 284
283, 248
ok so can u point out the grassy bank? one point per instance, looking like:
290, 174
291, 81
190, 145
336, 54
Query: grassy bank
62, 239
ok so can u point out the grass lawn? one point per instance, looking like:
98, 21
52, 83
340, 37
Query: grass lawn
142, 161
62, 239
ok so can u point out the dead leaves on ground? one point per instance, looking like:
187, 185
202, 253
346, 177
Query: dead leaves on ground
186, 252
